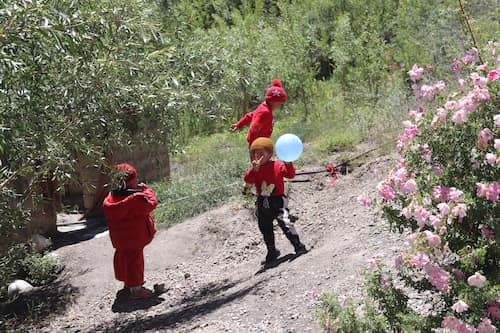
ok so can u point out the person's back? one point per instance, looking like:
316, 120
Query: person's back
128, 216
262, 118
128, 213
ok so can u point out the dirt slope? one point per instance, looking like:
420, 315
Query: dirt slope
210, 265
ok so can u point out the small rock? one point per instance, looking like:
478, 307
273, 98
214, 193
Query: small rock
40, 243
19, 287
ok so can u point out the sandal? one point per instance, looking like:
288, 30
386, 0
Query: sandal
141, 293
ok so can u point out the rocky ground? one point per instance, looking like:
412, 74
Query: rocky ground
210, 265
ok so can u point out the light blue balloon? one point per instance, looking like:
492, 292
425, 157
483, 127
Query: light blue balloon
288, 147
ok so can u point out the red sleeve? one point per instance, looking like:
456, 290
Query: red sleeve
149, 201
247, 119
287, 170
249, 176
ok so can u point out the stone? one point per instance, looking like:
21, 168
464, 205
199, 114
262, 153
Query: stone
18, 287
40, 243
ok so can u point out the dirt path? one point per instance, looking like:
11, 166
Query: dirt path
210, 265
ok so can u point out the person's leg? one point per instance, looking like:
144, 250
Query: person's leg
135, 267
120, 265
288, 227
266, 229
135, 274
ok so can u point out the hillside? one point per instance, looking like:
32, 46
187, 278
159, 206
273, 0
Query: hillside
210, 266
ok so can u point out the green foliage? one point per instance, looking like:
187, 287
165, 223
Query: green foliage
339, 141
336, 317
445, 188
214, 175
80, 77
20, 262
10, 265
76, 78
40, 269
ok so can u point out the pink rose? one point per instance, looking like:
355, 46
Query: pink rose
409, 187
491, 159
485, 326
493, 191
438, 171
476, 280
481, 190
444, 209
386, 192
459, 117
438, 277
432, 239
454, 194
418, 260
435, 221
460, 306
496, 120
441, 193
494, 311
416, 72
460, 211
468, 59
493, 75
484, 137
365, 201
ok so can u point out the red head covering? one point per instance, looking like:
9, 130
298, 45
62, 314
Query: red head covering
129, 171
276, 93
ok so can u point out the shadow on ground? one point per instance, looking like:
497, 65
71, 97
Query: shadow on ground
288, 257
205, 300
123, 303
28, 310
79, 231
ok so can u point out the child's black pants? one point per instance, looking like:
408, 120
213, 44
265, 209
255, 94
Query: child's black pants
269, 209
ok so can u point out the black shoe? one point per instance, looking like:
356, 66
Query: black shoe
301, 249
271, 258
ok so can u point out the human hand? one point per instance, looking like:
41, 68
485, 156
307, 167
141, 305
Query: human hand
233, 128
142, 186
257, 163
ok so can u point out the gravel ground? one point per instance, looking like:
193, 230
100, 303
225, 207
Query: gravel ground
210, 265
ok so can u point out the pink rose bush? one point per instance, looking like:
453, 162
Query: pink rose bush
445, 189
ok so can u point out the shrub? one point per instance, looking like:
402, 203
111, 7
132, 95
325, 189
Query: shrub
20, 262
446, 190
40, 269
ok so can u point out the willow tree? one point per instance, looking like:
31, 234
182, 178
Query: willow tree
77, 78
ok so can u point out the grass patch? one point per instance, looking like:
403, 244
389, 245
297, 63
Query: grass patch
338, 141
210, 172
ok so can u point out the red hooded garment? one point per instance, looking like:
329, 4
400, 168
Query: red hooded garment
129, 220
261, 123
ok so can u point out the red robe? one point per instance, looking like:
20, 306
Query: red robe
129, 219
261, 123
131, 227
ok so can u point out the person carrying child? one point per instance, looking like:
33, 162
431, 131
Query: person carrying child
268, 177
128, 212
261, 119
